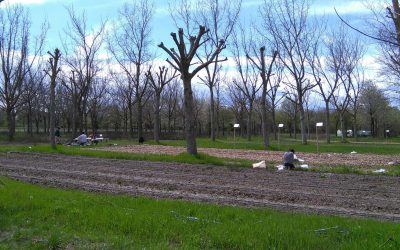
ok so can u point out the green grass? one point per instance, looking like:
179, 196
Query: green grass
85, 151
33, 217
373, 147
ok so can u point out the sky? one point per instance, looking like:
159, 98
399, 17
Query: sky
54, 11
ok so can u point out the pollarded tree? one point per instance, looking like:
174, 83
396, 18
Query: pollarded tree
182, 62
219, 17
52, 72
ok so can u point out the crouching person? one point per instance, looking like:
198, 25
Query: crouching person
288, 159
82, 139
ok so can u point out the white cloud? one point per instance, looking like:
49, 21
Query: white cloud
26, 2
345, 7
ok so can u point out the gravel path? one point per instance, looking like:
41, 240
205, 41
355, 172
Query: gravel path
340, 194
367, 160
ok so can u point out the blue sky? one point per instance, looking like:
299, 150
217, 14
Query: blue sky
97, 10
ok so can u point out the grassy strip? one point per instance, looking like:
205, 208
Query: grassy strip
37, 218
83, 151
256, 144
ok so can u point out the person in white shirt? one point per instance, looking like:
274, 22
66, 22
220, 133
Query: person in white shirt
82, 139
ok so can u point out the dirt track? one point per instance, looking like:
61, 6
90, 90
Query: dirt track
350, 195
365, 160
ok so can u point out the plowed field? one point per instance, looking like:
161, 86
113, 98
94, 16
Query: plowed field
340, 194
366, 160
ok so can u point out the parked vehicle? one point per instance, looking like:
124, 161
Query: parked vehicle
363, 133
349, 133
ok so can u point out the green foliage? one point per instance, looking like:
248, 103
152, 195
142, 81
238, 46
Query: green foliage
34, 217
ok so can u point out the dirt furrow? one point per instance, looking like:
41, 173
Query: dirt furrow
373, 185
371, 196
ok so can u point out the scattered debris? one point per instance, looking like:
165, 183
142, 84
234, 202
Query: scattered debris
280, 167
379, 171
260, 164
304, 166
300, 160
325, 229
192, 218
392, 163
353, 152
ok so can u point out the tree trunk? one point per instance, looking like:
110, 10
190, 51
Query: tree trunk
274, 125
74, 127
189, 118
302, 124
212, 114
327, 123
11, 124
157, 118
342, 126
140, 119
264, 117
52, 115
355, 125
249, 118
130, 111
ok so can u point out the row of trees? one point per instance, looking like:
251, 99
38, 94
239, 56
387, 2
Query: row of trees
285, 65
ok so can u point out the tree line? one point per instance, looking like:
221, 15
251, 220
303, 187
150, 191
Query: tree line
289, 67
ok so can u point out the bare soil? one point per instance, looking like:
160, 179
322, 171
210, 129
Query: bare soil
330, 159
339, 194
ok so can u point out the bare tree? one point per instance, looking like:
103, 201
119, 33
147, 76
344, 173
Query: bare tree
265, 73
82, 57
170, 97
158, 83
385, 26
32, 86
97, 100
52, 72
273, 93
130, 46
374, 102
289, 28
220, 17
237, 105
182, 62
351, 52
247, 81
71, 86
328, 62
290, 110
17, 58
354, 90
